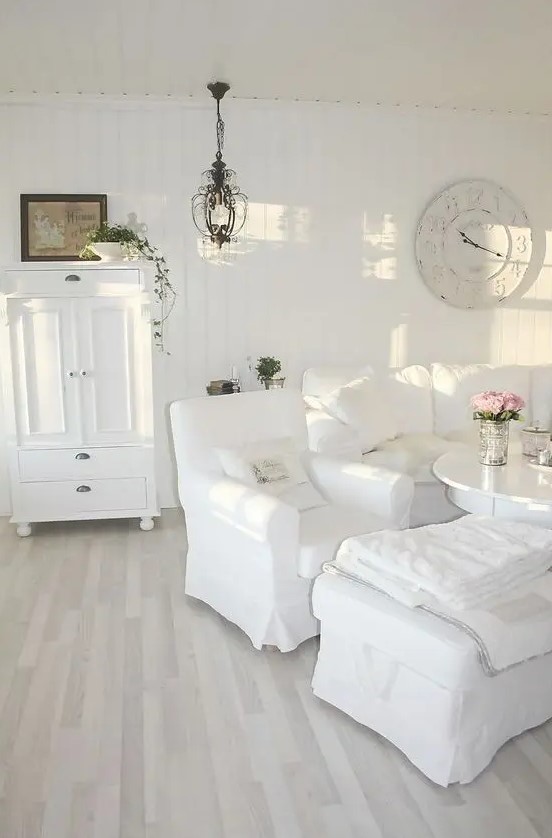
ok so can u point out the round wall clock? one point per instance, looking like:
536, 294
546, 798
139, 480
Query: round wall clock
473, 244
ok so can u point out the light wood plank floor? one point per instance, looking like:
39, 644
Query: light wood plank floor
129, 711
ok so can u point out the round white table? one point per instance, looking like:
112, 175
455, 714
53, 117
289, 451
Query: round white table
514, 491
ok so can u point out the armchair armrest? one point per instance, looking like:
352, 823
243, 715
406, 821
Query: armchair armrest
383, 492
225, 517
257, 514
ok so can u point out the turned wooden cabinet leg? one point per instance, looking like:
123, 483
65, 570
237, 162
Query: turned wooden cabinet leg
23, 530
146, 524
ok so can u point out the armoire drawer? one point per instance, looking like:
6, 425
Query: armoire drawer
84, 463
74, 282
46, 501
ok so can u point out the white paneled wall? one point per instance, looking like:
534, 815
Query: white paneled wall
336, 192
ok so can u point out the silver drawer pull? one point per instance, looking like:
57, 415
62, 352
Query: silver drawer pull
84, 489
82, 456
72, 278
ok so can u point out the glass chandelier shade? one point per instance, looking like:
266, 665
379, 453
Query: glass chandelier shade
219, 209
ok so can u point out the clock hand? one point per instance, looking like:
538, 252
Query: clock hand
494, 253
466, 239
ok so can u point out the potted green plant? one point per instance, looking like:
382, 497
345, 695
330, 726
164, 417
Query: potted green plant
109, 242
267, 369
114, 241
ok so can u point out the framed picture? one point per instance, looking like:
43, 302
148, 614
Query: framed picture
54, 227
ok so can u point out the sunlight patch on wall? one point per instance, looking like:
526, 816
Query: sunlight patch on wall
277, 223
505, 338
272, 223
520, 331
385, 236
379, 243
542, 287
398, 346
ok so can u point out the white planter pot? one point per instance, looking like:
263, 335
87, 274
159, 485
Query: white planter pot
108, 251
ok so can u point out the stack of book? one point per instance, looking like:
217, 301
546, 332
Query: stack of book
222, 386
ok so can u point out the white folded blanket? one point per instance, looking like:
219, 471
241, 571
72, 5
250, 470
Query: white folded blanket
514, 629
464, 564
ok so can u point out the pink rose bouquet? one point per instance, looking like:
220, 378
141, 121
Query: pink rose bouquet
497, 406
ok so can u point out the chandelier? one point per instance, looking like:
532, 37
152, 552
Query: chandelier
219, 209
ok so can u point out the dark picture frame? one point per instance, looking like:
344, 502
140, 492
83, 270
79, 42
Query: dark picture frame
54, 227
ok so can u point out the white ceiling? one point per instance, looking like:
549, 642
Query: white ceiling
483, 54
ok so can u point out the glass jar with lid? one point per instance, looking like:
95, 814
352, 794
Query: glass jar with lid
534, 439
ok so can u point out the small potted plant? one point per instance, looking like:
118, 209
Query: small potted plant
109, 242
114, 241
267, 369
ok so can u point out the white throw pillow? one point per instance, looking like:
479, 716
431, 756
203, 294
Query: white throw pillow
364, 406
327, 435
313, 402
275, 467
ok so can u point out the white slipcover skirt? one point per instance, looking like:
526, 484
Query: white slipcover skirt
418, 682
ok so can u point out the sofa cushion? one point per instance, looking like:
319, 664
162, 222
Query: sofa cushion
322, 531
321, 381
363, 405
453, 386
412, 454
327, 435
303, 497
409, 391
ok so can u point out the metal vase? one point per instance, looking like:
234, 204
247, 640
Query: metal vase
273, 383
493, 442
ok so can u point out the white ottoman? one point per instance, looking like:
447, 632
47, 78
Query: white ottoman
418, 681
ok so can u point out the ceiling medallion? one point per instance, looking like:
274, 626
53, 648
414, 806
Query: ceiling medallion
219, 209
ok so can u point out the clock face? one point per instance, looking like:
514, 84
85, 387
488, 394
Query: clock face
473, 244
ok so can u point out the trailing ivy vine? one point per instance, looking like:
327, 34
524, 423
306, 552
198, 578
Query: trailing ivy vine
135, 246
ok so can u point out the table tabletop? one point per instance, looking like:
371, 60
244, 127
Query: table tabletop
514, 481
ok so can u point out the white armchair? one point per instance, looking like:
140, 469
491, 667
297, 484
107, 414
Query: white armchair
252, 556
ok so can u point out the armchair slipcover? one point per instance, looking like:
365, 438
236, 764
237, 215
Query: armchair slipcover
252, 556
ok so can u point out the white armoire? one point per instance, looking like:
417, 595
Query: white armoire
77, 384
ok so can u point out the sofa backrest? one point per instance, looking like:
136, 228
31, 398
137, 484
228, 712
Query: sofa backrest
408, 390
454, 385
438, 400
321, 381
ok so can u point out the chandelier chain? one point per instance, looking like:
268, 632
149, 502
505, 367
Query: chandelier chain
220, 131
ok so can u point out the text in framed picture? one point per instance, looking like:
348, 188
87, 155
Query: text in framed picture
54, 227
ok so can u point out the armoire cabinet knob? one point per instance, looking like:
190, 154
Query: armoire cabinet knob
84, 489
70, 373
83, 373
82, 456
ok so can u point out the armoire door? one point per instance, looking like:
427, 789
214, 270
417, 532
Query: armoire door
45, 379
109, 357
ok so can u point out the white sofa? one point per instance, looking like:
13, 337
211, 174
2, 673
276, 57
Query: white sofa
431, 411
